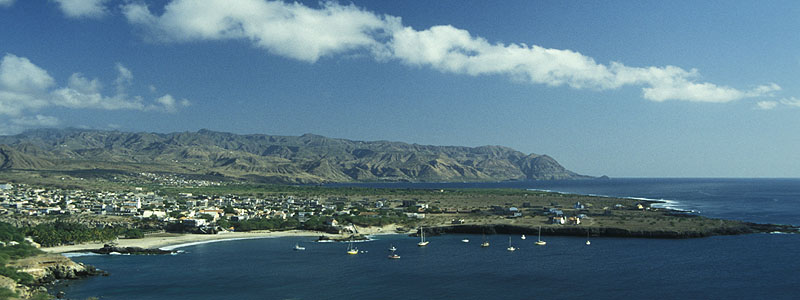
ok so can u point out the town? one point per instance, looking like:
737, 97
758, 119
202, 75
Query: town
342, 210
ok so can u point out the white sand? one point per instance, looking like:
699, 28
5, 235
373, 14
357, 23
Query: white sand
174, 240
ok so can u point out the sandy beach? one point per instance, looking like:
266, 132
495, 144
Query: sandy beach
174, 240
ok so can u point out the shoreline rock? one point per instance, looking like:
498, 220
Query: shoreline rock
47, 269
109, 249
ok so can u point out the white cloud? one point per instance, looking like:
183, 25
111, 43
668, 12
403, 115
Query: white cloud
766, 105
168, 104
25, 88
23, 85
14, 104
16, 125
83, 8
449, 49
794, 102
124, 78
18, 74
6, 3
81, 84
791, 102
291, 30
72, 98
307, 34
37, 120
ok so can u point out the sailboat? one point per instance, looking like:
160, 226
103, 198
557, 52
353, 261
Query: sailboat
393, 255
351, 249
540, 242
392, 248
485, 242
422, 241
510, 248
523, 237
587, 239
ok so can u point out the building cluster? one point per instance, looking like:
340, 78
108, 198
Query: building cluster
173, 180
189, 209
206, 210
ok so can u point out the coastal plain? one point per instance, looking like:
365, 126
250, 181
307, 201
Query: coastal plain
476, 211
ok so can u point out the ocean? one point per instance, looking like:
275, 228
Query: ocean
754, 266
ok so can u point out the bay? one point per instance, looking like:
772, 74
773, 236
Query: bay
730, 267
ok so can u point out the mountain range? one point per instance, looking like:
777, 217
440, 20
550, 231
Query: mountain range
268, 158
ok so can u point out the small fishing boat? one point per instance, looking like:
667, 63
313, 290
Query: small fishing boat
465, 241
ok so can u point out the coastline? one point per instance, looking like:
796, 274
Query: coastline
172, 241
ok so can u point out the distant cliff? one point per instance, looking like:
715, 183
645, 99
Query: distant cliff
266, 158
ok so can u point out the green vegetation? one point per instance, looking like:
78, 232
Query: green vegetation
7, 294
10, 235
61, 232
266, 224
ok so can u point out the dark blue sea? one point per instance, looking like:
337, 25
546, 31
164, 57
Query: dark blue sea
756, 266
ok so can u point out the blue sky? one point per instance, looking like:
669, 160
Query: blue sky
621, 88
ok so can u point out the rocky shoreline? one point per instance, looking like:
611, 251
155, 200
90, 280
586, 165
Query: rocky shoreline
110, 249
47, 269
744, 228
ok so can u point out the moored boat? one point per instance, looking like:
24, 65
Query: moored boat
540, 242
352, 250
510, 248
422, 241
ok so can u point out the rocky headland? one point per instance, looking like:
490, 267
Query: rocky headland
46, 269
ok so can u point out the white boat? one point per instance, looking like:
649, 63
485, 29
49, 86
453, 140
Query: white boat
510, 248
540, 242
393, 255
523, 237
465, 241
392, 248
352, 250
587, 239
422, 241
485, 242
297, 247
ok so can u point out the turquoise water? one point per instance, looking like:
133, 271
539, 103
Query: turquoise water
753, 266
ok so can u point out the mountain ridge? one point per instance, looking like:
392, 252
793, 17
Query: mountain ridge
308, 158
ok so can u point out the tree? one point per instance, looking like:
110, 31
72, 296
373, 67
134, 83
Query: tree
133, 233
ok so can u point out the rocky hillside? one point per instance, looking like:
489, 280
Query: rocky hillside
289, 159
